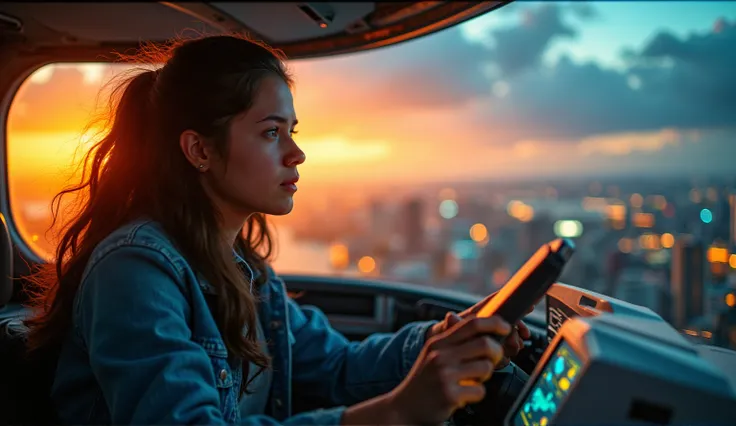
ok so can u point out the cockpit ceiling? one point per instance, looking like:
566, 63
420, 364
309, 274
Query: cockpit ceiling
301, 30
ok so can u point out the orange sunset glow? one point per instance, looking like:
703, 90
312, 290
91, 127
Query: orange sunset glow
448, 107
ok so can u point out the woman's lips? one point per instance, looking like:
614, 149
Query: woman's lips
289, 186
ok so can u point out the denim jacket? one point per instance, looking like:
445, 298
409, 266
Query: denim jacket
144, 347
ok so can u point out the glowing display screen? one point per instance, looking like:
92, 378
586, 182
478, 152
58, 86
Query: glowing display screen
552, 387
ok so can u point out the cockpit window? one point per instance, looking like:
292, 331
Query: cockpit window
446, 161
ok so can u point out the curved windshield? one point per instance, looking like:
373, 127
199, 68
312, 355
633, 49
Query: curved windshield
448, 160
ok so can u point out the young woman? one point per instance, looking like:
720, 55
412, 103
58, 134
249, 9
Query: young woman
161, 303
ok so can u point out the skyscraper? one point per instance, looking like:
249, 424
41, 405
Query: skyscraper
413, 226
723, 219
535, 233
687, 282
732, 219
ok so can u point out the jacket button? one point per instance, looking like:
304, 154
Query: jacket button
275, 324
278, 402
223, 374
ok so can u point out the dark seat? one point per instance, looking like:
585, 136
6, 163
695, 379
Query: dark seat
25, 381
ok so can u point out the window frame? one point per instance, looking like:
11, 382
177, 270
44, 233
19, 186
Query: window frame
20, 63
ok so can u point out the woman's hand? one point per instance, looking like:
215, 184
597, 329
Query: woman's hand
513, 344
450, 371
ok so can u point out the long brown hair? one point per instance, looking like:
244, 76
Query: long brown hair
137, 170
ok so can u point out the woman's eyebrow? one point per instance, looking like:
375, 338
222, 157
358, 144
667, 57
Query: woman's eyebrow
277, 118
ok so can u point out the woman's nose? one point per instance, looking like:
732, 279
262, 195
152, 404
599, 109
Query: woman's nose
295, 157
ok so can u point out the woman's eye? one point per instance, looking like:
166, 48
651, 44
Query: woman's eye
274, 133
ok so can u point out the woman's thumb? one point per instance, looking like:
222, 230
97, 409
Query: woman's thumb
452, 318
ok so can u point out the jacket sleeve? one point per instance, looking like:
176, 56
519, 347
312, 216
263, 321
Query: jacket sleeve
132, 315
328, 366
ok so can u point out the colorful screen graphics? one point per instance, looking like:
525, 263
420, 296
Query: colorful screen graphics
553, 385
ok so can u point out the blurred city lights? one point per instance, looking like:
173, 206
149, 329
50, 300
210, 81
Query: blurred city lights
625, 245
649, 242
718, 255
706, 216
643, 220
568, 228
521, 211
695, 196
667, 240
478, 232
366, 264
731, 300
339, 256
448, 209
636, 201
660, 202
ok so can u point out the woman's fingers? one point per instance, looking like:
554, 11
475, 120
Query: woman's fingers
524, 331
469, 392
478, 370
482, 347
470, 328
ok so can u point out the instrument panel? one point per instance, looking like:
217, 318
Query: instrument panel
552, 387
621, 367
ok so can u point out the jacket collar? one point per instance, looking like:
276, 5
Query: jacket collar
250, 274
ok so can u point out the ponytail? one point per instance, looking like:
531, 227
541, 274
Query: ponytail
109, 177
133, 126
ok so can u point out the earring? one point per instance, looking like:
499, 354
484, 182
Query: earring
201, 166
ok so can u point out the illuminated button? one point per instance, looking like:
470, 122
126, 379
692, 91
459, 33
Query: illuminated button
564, 384
571, 372
559, 366
543, 421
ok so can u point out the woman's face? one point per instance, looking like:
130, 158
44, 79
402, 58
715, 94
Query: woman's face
260, 172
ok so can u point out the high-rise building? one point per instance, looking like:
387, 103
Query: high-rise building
615, 264
413, 226
534, 233
379, 219
687, 281
642, 286
725, 333
722, 226
732, 219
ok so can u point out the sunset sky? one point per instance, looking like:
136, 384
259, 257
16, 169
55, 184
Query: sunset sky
529, 90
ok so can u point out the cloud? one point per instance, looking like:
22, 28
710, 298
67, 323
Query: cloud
505, 90
702, 69
679, 83
583, 10
521, 47
435, 70
625, 144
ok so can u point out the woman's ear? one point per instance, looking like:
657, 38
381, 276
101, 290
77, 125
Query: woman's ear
194, 149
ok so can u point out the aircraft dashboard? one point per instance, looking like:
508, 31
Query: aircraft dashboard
611, 362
